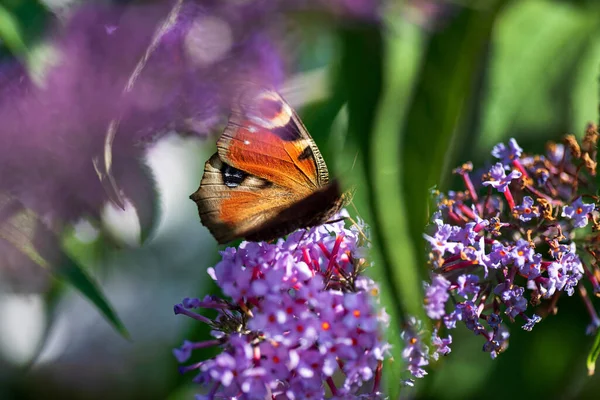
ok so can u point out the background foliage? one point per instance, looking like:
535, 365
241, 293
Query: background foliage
396, 105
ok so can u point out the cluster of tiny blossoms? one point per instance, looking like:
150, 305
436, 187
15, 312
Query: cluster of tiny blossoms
301, 320
512, 242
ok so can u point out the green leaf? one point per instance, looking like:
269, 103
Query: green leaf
593, 355
34, 240
585, 95
72, 273
532, 63
22, 24
11, 34
362, 64
449, 71
141, 189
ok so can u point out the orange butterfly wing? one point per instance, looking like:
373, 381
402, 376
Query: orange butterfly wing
266, 138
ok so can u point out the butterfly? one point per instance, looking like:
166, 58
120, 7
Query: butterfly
268, 177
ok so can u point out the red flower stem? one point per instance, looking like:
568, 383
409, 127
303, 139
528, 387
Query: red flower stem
470, 187
334, 252
324, 250
588, 305
455, 218
452, 258
544, 265
331, 385
377, 380
467, 211
543, 196
512, 274
552, 306
509, 198
520, 167
206, 343
213, 391
592, 278
308, 260
256, 355
487, 198
463, 264
192, 367
180, 310
212, 305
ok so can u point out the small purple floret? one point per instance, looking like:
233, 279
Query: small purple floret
498, 178
578, 211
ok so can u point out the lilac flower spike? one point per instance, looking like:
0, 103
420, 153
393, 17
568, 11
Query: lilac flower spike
300, 312
578, 211
493, 261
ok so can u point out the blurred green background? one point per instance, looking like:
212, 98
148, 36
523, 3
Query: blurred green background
394, 106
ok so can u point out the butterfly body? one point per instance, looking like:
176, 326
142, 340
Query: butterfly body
268, 177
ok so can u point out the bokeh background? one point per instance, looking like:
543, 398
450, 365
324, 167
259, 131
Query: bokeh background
109, 109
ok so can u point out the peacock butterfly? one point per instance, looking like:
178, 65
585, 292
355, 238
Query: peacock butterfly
268, 177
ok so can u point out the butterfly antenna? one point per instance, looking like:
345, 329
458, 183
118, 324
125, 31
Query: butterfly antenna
354, 206
360, 231
354, 223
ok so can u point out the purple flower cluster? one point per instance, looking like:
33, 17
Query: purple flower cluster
300, 321
504, 249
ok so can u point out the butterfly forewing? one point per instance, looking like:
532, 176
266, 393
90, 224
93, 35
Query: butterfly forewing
267, 125
244, 147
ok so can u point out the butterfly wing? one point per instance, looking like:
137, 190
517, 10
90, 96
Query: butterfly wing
266, 138
267, 177
231, 202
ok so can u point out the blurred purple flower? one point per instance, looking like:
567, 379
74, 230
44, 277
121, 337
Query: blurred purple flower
442, 345
112, 63
416, 353
436, 296
430, 14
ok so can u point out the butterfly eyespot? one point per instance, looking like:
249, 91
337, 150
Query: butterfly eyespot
232, 177
270, 108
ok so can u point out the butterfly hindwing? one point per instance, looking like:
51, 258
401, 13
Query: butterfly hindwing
232, 204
